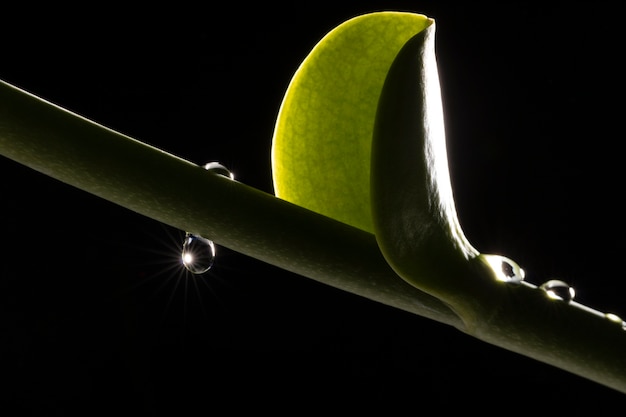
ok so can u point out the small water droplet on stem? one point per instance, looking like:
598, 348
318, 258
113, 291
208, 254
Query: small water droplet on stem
558, 290
219, 169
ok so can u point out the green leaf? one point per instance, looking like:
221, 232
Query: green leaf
355, 121
322, 141
413, 210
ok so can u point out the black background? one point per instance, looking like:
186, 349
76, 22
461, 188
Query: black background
95, 317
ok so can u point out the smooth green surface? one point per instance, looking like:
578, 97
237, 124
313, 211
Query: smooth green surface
322, 142
413, 208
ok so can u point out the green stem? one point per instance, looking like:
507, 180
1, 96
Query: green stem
176, 192
171, 190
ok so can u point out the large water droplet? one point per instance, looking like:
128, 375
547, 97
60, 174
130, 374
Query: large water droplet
219, 169
198, 253
558, 290
504, 268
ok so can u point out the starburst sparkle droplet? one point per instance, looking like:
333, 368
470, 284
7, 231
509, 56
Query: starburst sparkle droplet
198, 253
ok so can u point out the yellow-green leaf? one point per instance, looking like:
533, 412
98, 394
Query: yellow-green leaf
322, 141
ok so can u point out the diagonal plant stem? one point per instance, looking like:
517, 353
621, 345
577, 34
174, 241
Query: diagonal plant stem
171, 190
176, 192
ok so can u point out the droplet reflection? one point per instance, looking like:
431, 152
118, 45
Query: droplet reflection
198, 253
558, 290
219, 169
504, 268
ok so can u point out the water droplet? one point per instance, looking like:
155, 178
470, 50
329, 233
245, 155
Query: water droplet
504, 268
614, 317
558, 290
219, 169
617, 319
198, 253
